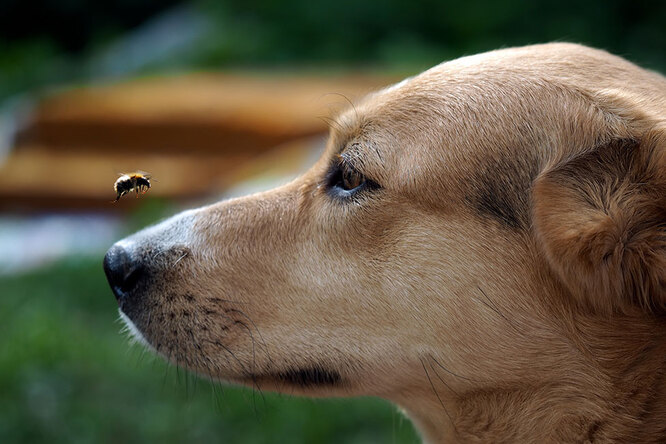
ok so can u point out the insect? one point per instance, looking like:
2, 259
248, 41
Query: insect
139, 182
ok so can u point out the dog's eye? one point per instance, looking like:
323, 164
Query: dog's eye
344, 181
350, 179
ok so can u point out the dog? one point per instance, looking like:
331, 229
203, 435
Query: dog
483, 244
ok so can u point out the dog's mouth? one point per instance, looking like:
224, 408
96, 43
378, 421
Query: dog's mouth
133, 332
306, 377
299, 377
213, 335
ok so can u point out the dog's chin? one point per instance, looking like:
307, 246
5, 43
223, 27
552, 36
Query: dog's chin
134, 333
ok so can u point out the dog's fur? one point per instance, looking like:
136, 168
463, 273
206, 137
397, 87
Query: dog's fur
502, 276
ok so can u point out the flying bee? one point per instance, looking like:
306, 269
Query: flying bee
139, 182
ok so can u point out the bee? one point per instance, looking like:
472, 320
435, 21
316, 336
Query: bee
139, 182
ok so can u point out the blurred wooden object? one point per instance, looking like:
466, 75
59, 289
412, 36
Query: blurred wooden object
189, 132
43, 178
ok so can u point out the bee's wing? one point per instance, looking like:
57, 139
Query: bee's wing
145, 174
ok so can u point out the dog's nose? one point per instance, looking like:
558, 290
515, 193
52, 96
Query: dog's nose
122, 272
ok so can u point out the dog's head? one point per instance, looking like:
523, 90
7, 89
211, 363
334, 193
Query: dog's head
455, 228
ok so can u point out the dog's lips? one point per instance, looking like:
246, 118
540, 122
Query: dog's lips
133, 330
305, 377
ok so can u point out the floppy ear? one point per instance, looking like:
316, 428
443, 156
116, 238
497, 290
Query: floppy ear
601, 219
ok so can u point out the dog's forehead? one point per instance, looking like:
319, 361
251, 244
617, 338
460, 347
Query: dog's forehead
429, 120
485, 97
453, 97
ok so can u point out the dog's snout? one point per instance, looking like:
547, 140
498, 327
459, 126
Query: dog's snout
122, 271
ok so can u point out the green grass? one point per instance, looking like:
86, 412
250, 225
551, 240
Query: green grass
68, 376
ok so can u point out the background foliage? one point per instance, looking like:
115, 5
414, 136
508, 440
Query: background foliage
51, 41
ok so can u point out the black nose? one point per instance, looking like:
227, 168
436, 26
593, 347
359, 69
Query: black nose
122, 272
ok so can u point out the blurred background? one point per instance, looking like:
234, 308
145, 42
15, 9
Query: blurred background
214, 99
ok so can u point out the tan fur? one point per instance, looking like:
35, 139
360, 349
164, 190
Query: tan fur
506, 282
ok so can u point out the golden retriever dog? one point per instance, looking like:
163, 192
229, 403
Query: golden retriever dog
483, 244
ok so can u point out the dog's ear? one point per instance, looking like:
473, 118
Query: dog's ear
601, 219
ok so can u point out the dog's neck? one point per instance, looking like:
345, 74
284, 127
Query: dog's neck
610, 388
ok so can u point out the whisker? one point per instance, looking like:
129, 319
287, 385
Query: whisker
157, 253
253, 377
232, 354
440, 378
331, 123
437, 394
179, 259
449, 371
252, 374
240, 312
166, 369
494, 308
351, 104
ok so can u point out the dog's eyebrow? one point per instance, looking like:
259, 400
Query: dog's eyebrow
363, 156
